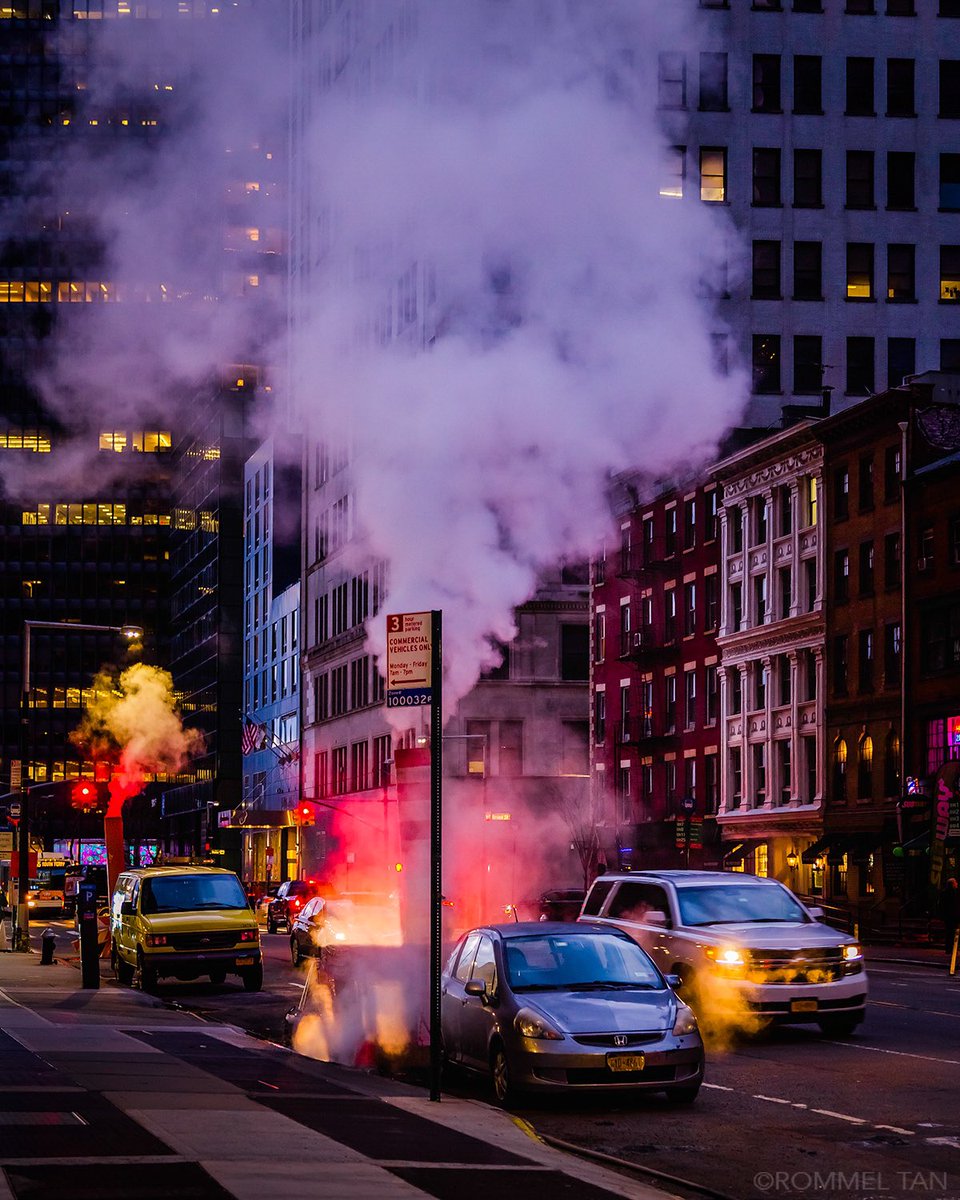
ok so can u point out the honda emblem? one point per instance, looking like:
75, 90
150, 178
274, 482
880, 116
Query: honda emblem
619, 1039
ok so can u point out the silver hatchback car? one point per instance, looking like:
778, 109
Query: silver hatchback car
544, 1006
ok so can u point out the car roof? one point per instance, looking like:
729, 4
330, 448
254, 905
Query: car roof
149, 872
518, 929
682, 878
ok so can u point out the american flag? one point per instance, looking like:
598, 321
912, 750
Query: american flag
253, 737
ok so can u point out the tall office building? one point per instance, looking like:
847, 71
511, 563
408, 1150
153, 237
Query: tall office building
828, 129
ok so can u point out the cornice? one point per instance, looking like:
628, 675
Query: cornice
782, 469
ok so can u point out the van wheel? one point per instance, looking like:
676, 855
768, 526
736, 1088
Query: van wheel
252, 978
295, 952
147, 976
123, 971
839, 1026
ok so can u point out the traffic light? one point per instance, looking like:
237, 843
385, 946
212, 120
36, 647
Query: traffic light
306, 814
84, 795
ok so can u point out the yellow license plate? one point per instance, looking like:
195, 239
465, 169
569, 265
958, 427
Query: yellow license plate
803, 1006
625, 1062
245, 962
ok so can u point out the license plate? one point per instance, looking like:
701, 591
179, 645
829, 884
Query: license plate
245, 962
625, 1062
803, 1006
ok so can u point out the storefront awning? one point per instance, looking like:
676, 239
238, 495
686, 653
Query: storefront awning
738, 852
833, 846
812, 853
920, 842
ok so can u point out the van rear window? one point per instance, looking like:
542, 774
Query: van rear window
598, 893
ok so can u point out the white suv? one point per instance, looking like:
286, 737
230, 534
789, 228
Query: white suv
746, 950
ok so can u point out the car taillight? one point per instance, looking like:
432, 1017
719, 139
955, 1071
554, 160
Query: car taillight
156, 939
248, 935
296, 904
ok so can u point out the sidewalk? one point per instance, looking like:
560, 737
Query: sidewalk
917, 956
111, 1094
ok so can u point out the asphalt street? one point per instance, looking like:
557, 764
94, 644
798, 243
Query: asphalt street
787, 1113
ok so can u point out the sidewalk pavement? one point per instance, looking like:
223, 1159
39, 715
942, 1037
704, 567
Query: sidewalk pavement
907, 955
111, 1094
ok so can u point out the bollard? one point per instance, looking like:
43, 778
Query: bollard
953, 956
48, 943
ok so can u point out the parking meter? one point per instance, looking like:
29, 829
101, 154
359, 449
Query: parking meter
89, 942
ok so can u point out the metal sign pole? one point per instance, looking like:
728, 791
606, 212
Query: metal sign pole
436, 846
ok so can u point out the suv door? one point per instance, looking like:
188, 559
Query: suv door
631, 908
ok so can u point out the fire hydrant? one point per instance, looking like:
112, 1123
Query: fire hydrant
48, 942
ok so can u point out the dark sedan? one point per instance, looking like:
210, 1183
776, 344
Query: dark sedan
544, 1006
291, 896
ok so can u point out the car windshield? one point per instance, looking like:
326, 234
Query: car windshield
185, 893
560, 961
735, 904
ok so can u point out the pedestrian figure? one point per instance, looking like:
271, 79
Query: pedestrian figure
950, 913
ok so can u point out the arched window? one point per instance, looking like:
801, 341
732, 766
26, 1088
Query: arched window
865, 766
840, 769
891, 765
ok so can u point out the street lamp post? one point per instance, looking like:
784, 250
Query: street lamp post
21, 940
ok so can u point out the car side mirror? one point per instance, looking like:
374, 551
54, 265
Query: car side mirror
128, 908
475, 987
673, 981
816, 912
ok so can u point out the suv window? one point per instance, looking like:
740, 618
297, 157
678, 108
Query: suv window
634, 901
594, 902
297, 887
467, 956
485, 966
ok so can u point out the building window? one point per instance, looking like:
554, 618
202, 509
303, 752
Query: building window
672, 80
689, 699
808, 271
710, 791
713, 82
599, 716
949, 274
339, 775
891, 560
840, 661
382, 755
891, 765
901, 176
865, 767
689, 609
599, 637
760, 600
901, 272
785, 587
841, 576
711, 590
670, 703
766, 176
784, 679
711, 502
766, 363
766, 270
949, 8
736, 607
359, 766
901, 8
808, 6
713, 174
807, 364
860, 271
862, 8
574, 750
901, 359
840, 770
712, 694
674, 172
949, 87
808, 178
940, 639
766, 83
735, 527
865, 660
865, 483
511, 749
321, 782
950, 354
759, 688
736, 777
860, 87
759, 775
574, 652
807, 84
810, 583
624, 801
950, 182
860, 179
860, 371
891, 656
866, 569
785, 771
891, 474
841, 493
900, 75
736, 691
689, 524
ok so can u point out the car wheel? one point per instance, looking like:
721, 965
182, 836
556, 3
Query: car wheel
840, 1026
252, 978
146, 976
501, 1076
271, 925
218, 976
122, 970
295, 952
684, 1095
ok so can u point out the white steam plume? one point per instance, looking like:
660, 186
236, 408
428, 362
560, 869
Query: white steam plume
514, 167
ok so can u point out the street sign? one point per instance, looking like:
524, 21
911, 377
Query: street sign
688, 804
6, 844
268, 855
16, 775
13, 810
409, 650
224, 818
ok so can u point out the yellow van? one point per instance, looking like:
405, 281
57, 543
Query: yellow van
185, 922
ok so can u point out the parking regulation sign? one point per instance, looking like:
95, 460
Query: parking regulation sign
409, 652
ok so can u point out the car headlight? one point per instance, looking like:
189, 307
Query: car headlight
726, 956
852, 953
249, 935
686, 1021
532, 1025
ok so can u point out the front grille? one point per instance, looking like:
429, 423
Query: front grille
608, 1039
595, 1075
824, 964
214, 940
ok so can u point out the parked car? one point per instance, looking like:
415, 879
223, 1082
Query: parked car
262, 904
185, 922
744, 948
548, 1006
305, 932
289, 899
561, 905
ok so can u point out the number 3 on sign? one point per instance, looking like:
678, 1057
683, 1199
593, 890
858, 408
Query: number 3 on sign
395, 624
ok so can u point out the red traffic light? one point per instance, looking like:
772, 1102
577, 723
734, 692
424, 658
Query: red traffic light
306, 814
83, 795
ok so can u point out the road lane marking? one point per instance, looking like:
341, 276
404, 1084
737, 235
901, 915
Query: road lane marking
825, 1112
944, 1141
717, 1087
933, 1012
772, 1099
948, 1062
897, 1129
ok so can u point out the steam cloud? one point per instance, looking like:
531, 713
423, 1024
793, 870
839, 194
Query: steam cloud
135, 718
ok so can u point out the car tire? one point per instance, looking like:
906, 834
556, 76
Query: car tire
295, 952
146, 976
501, 1077
840, 1026
218, 976
252, 978
684, 1095
123, 971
